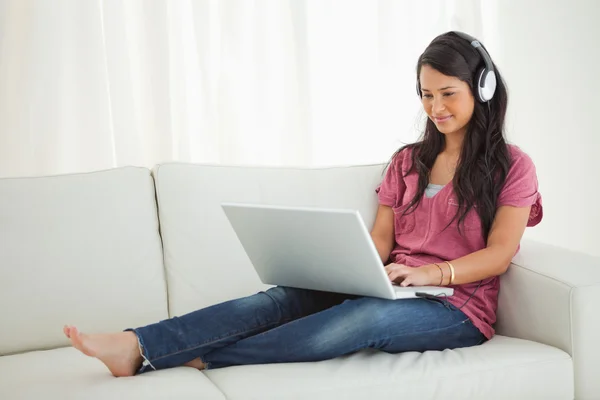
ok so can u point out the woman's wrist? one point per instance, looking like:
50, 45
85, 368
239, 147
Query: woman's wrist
451, 273
437, 277
441, 274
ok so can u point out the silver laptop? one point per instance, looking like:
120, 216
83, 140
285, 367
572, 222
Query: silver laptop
315, 248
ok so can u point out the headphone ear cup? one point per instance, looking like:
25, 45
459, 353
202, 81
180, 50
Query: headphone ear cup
486, 85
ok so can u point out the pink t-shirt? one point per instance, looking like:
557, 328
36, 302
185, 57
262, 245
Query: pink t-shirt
421, 237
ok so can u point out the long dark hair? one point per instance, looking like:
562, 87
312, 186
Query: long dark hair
484, 159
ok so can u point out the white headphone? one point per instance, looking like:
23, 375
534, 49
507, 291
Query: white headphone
485, 78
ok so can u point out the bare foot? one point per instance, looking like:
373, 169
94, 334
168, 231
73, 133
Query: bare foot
118, 351
195, 363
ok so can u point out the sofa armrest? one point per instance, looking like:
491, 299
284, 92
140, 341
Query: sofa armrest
552, 296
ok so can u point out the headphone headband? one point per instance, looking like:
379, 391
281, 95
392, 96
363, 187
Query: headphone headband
489, 65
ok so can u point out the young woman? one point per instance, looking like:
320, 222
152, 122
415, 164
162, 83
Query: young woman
453, 208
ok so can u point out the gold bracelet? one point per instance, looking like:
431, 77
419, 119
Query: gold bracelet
451, 272
442, 272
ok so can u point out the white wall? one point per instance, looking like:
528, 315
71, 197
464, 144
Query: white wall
549, 53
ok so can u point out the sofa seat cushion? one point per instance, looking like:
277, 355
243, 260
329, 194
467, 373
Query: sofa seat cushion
65, 373
503, 368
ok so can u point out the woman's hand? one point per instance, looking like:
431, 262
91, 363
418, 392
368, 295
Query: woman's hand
426, 275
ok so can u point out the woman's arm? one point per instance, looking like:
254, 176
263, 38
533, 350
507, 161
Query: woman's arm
383, 232
503, 240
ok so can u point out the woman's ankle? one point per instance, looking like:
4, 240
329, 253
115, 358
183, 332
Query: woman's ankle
196, 363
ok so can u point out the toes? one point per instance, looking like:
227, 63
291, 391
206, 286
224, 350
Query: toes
66, 331
75, 336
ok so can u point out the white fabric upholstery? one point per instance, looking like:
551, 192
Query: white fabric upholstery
79, 249
85, 249
204, 260
551, 295
501, 369
66, 374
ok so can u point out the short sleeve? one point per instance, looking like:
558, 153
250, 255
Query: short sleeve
392, 187
521, 187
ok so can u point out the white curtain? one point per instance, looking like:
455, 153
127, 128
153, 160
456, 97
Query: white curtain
96, 84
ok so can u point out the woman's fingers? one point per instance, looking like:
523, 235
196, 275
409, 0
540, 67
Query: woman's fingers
397, 271
406, 282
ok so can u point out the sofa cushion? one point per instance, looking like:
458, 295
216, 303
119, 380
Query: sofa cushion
503, 368
78, 249
205, 263
67, 374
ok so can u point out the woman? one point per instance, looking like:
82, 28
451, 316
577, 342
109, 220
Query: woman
453, 208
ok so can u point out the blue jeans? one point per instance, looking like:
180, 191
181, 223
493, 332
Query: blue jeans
295, 325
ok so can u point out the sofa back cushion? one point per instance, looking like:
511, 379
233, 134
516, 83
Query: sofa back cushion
78, 249
205, 263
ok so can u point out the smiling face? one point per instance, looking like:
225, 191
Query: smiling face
447, 100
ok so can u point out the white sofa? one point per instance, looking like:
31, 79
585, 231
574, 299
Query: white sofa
126, 247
